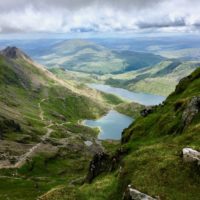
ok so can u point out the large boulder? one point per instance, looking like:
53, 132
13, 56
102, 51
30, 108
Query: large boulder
191, 155
133, 194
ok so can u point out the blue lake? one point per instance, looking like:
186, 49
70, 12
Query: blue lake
142, 98
111, 125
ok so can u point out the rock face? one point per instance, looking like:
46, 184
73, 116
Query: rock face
99, 163
146, 112
133, 194
191, 155
14, 53
192, 109
103, 162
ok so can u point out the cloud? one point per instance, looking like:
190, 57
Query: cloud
67, 16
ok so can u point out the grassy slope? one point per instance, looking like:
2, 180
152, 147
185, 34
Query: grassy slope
160, 79
22, 87
130, 109
153, 164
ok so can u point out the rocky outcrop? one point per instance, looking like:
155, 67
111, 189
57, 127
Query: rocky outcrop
103, 162
14, 53
133, 194
192, 109
99, 163
191, 155
145, 112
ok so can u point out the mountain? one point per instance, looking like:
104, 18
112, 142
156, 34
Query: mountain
89, 57
160, 79
42, 139
150, 158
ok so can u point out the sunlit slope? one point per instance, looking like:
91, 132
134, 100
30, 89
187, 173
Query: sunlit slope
160, 79
86, 56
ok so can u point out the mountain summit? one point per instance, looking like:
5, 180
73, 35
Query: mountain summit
14, 53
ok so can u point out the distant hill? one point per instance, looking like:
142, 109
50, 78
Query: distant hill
160, 79
86, 56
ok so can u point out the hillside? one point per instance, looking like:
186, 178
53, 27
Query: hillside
149, 158
43, 143
160, 79
89, 57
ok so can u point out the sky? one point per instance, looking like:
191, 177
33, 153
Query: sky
101, 17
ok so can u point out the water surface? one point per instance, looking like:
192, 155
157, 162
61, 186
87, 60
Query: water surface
111, 125
142, 98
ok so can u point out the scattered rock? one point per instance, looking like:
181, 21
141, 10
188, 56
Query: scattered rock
133, 194
191, 155
191, 111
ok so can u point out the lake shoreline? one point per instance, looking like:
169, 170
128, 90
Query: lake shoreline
137, 97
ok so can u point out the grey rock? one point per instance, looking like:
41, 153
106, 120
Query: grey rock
191, 111
191, 155
133, 194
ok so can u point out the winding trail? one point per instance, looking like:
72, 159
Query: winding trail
22, 159
25, 157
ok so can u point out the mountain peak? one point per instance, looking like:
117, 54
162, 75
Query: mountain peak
14, 53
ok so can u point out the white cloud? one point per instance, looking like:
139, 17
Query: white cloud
99, 15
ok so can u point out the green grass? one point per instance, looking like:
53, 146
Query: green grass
160, 79
130, 109
54, 165
101, 189
153, 162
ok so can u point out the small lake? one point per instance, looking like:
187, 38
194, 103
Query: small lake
111, 125
142, 98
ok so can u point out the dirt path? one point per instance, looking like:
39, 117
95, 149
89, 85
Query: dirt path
22, 160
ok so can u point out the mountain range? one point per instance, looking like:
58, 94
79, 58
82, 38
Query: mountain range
89, 57
48, 154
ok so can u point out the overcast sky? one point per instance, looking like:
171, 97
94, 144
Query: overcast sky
99, 16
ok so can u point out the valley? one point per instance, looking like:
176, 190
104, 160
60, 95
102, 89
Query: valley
41, 136
92, 102
100, 100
